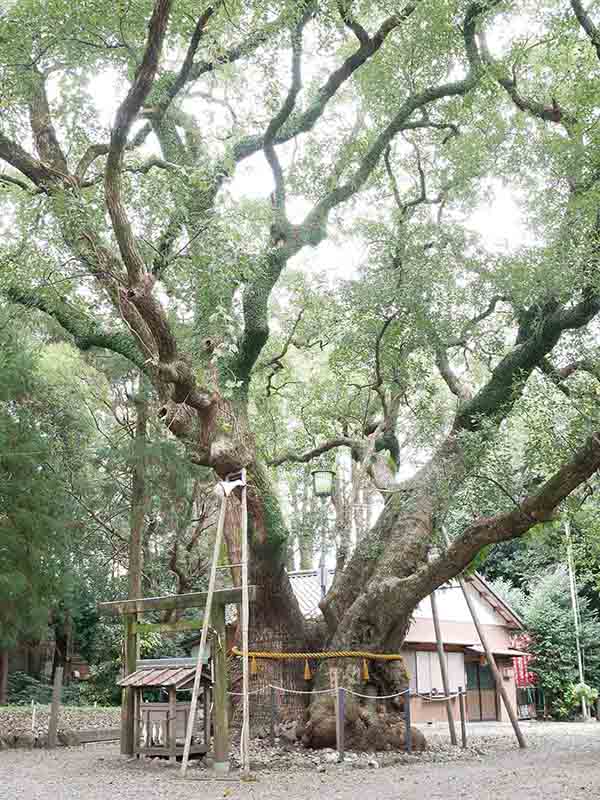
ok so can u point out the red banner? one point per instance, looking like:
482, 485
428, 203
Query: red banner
524, 679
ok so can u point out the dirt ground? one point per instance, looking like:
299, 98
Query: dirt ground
562, 762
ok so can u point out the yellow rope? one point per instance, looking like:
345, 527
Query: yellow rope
319, 655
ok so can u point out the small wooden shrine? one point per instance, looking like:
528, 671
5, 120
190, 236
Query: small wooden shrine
159, 727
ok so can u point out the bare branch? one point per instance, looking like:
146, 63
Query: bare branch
276, 361
306, 121
457, 386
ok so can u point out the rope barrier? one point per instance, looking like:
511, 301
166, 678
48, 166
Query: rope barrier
301, 691
439, 696
323, 691
378, 696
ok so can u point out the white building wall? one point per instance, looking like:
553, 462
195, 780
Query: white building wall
452, 607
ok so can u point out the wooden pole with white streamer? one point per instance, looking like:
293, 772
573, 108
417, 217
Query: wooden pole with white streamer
245, 738
204, 636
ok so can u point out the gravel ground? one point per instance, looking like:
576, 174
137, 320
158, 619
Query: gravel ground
562, 762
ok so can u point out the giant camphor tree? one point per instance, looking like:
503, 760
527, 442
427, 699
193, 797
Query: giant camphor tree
380, 122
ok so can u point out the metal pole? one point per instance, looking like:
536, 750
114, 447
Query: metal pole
273, 713
245, 738
408, 731
341, 720
202, 648
56, 692
573, 586
443, 668
463, 720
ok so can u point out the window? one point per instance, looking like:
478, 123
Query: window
429, 674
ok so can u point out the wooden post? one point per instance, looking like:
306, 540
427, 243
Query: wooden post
54, 710
463, 719
137, 719
172, 726
127, 697
492, 663
221, 737
273, 715
3, 676
206, 712
598, 710
443, 668
341, 720
408, 731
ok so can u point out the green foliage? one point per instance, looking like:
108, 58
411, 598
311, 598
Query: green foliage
548, 619
23, 688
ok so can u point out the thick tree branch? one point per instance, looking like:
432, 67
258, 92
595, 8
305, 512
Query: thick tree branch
536, 508
548, 113
44, 135
302, 458
351, 23
125, 116
275, 125
317, 218
42, 175
539, 338
307, 120
587, 24
312, 230
86, 332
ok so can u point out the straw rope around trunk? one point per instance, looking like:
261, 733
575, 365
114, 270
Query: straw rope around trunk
320, 655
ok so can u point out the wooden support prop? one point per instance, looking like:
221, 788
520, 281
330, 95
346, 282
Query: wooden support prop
493, 666
341, 720
221, 736
127, 696
169, 602
408, 729
172, 727
55, 708
443, 668
463, 717
490, 656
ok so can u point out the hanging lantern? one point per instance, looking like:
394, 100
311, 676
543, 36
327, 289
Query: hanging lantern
323, 482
